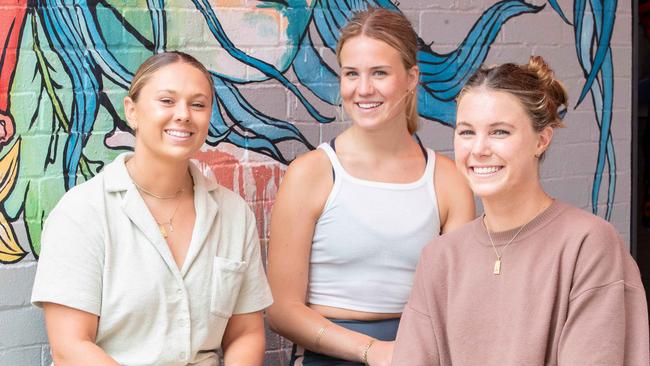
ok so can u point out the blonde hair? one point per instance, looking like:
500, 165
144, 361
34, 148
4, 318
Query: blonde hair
160, 60
395, 30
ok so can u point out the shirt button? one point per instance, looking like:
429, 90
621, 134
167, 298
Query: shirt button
179, 291
182, 355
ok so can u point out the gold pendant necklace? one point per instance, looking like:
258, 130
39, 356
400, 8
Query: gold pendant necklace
497, 264
169, 223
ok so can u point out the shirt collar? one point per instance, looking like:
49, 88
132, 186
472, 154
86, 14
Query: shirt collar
117, 178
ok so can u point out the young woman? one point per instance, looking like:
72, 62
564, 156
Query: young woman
533, 281
150, 262
351, 217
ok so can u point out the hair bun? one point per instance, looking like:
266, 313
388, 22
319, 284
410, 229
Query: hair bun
556, 93
537, 65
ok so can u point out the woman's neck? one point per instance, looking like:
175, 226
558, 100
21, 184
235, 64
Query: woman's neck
511, 210
160, 177
391, 141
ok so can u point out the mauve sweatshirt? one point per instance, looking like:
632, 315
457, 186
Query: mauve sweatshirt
569, 293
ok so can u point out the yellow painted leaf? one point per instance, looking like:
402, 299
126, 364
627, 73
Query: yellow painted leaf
10, 251
9, 170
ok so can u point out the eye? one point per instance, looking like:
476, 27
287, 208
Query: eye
166, 100
197, 105
380, 73
464, 132
350, 74
501, 132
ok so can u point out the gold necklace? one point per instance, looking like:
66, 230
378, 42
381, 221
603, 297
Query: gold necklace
497, 263
161, 225
155, 195
169, 222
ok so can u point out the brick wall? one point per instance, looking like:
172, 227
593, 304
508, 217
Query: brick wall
247, 152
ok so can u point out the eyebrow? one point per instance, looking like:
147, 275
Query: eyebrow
493, 124
174, 92
372, 68
501, 123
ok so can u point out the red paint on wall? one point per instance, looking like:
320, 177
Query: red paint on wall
12, 20
257, 183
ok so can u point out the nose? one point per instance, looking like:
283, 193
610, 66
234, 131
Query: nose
365, 86
182, 112
481, 146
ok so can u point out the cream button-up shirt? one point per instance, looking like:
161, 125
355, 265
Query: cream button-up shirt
103, 253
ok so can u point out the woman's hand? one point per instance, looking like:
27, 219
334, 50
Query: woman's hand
380, 353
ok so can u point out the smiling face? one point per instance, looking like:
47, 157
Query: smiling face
495, 144
374, 82
172, 112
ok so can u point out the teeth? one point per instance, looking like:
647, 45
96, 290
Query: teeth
486, 169
368, 105
178, 133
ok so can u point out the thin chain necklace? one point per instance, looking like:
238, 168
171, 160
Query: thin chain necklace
163, 225
168, 223
497, 263
175, 195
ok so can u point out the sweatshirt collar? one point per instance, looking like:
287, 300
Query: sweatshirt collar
502, 237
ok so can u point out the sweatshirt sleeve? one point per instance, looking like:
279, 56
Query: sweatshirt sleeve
607, 321
416, 340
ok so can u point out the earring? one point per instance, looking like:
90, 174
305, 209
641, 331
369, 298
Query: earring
537, 156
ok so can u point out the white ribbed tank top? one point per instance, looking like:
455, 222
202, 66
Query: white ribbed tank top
368, 240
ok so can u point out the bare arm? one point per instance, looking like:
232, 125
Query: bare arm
243, 341
455, 199
299, 203
72, 335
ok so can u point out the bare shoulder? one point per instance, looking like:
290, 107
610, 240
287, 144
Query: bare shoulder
308, 181
455, 199
448, 179
445, 165
310, 168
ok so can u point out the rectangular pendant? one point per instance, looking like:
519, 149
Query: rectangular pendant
497, 267
162, 230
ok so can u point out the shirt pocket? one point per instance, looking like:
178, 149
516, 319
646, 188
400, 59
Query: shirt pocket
227, 278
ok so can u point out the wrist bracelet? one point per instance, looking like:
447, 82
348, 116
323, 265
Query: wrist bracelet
364, 355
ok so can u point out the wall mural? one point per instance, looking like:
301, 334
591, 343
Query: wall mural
65, 66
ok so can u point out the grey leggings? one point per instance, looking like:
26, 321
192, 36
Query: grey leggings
384, 330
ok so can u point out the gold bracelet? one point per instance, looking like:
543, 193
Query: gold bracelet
364, 355
319, 335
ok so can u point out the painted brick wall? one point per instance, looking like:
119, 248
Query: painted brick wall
37, 77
